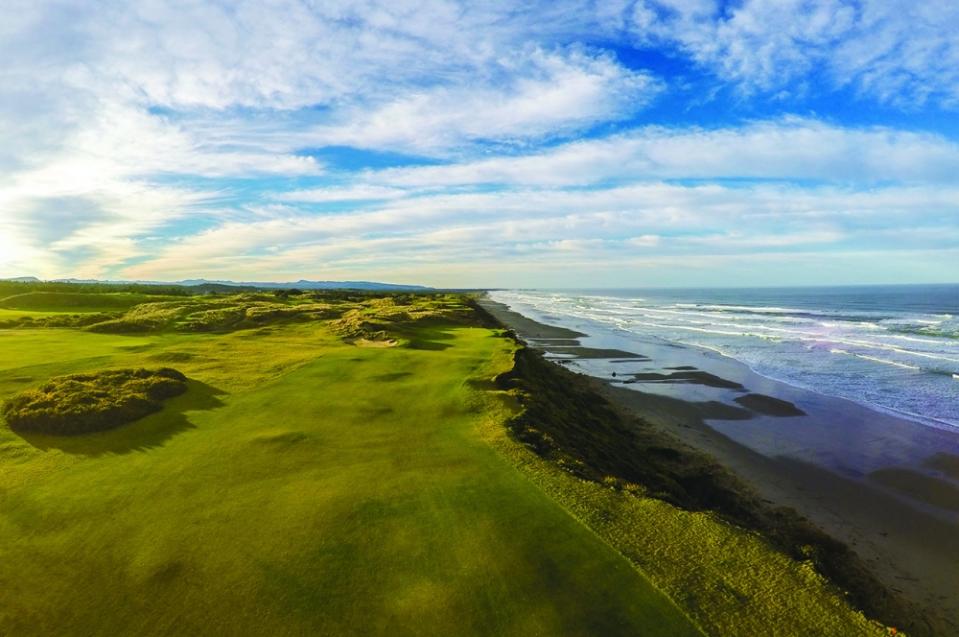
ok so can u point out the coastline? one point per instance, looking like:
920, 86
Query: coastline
913, 552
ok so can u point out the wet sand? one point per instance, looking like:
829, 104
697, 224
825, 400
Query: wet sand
884, 486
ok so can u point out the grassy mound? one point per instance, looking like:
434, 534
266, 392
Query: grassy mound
199, 314
400, 317
59, 319
84, 403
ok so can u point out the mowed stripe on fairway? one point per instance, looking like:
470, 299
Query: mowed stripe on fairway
350, 495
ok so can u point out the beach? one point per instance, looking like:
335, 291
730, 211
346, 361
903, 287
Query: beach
866, 478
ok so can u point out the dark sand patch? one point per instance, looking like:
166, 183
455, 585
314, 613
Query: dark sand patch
687, 410
554, 342
686, 377
769, 406
595, 352
933, 491
682, 368
947, 463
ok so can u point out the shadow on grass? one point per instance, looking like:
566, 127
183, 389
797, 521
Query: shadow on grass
141, 435
427, 345
482, 384
427, 338
390, 377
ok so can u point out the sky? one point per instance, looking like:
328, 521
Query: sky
482, 144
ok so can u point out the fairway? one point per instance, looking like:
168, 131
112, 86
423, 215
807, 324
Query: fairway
302, 486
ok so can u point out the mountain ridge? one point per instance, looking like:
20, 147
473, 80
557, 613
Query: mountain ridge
301, 284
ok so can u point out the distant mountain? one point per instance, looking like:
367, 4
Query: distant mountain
303, 284
271, 285
22, 279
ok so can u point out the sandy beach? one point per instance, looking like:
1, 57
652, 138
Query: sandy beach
866, 478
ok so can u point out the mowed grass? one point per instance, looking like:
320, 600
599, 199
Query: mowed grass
303, 486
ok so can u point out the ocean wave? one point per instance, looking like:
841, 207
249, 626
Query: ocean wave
726, 315
838, 315
778, 333
799, 328
949, 333
876, 359
874, 341
901, 358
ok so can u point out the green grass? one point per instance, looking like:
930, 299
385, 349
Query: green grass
76, 302
303, 486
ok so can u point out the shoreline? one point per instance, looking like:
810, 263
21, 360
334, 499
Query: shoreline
912, 552
604, 331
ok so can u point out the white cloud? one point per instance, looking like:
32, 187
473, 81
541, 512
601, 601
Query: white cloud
533, 95
897, 51
352, 193
645, 241
787, 149
99, 190
605, 226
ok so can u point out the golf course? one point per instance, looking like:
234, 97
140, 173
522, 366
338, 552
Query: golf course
339, 464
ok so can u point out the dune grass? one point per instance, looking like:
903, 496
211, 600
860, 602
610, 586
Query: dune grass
302, 486
83, 403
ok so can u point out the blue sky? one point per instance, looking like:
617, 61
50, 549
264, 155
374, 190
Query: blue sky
640, 143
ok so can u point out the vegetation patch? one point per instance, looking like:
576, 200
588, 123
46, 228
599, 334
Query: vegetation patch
62, 320
213, 314
389, 320
361, 318
84, 403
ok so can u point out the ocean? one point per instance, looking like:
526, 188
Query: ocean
892, 348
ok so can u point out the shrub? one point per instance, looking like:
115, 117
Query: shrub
84, 403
